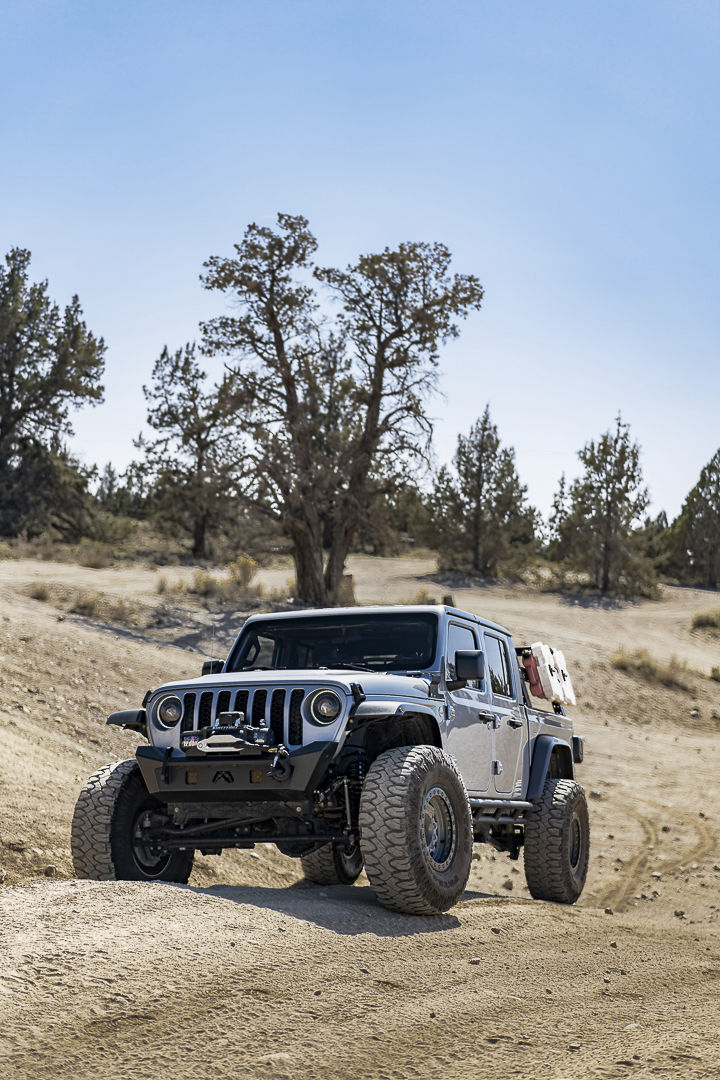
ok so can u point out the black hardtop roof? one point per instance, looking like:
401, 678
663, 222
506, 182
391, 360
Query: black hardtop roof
384, 609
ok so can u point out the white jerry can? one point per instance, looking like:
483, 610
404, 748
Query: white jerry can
562, 670
550, 678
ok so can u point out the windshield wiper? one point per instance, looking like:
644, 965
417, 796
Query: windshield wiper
343, 667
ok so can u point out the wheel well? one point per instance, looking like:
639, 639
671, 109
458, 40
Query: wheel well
388, 732
560, 767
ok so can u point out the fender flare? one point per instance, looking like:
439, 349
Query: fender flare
543, 750
392, 709
129, 720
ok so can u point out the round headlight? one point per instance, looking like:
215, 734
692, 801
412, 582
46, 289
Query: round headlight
325, 706
169, 711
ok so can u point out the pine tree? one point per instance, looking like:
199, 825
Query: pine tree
606, 506
479, 511
195, 463
697, 530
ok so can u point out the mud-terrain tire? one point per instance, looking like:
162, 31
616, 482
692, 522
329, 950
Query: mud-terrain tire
333, 864
557, 843
415, 830
106, 817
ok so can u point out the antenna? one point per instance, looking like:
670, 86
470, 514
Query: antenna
212, 639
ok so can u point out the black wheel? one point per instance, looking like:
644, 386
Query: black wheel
557, 843
333, 864
415, 830
109, 838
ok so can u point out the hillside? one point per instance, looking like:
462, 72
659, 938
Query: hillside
248, 971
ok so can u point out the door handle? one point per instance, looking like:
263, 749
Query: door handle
514, 721
487, 716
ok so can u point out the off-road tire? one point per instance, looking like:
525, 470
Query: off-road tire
557, 843
333, 864
105, 815
412, 795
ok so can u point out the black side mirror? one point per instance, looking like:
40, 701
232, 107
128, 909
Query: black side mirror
469, 665
212, 667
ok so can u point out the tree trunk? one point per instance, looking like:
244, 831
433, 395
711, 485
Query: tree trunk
307, 556
339, 551
199, 548
605, 585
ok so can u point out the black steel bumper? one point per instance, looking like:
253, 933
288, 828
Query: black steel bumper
233, 777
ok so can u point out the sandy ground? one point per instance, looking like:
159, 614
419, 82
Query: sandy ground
250, 972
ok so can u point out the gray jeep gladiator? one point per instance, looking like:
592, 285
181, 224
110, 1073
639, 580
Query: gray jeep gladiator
389, 738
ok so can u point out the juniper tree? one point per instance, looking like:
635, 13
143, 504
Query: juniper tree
50, 363
332, 405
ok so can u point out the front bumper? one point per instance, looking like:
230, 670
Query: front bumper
233, 777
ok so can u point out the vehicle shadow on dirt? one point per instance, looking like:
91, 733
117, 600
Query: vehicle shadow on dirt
343, 909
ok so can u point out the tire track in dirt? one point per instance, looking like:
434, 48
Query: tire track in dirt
638, 869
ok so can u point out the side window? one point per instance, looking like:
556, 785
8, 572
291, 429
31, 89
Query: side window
498, 667
459, 637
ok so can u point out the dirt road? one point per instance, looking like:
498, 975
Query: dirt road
250, 972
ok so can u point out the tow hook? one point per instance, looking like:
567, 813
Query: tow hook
281, 769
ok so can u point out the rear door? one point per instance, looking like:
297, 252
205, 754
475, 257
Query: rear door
470, 724
511, 726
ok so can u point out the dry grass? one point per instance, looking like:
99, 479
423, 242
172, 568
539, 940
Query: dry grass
673, 674
95, 555
715, 674
706, 620
231, 587
41, 591
114, 609
422, 596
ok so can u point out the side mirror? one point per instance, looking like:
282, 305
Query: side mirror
213, 667
469, 665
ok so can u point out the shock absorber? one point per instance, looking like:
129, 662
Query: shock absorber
356, 776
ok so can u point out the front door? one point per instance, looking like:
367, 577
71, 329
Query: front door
511, 726
470, 725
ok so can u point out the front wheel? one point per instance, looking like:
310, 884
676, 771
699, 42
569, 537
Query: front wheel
109, 838
416, 830
333, 864
557, 843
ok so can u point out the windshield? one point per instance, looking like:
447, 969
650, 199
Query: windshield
388, 642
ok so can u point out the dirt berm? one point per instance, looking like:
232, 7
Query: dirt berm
250, 972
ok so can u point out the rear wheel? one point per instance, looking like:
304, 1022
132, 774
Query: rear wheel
415, 830
557, 843
110, 826
333, 864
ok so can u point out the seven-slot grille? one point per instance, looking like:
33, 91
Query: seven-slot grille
279, 709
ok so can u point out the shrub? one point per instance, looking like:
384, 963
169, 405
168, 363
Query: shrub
41, 591
86, 603
671, 674
93, 554
204, 584
96, 605
715, 674
422, 596
706, 620
241, 571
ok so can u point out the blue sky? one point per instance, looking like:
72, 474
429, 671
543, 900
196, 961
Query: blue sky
568, 154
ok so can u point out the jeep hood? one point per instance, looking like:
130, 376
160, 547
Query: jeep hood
373, 684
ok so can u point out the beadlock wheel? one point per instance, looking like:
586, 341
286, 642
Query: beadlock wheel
557, 843
109, 839
415, 830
